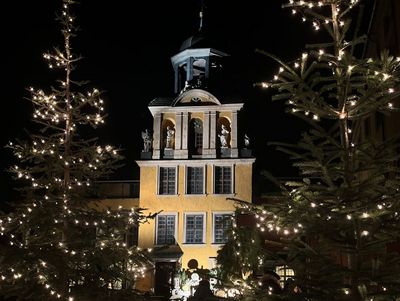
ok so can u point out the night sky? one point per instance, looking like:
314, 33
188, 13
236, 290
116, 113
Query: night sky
127, 47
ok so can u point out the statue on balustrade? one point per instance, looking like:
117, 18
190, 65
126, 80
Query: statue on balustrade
147, 140
223, 137
169, 141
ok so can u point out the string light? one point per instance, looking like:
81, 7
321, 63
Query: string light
59, 113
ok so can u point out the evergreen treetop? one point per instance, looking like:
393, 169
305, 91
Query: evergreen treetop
56, 242
339, 224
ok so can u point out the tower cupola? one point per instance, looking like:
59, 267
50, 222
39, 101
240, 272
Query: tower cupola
196, 63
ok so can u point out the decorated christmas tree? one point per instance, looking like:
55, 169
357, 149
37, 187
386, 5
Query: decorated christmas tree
339, 224
56, 243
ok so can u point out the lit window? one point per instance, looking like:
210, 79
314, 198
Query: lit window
195, 180
223, 179
284, 273
165, 230
131, 236
194, 228
222, 223
167, 180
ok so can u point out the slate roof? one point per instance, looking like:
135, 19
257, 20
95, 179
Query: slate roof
161, 101
192, 42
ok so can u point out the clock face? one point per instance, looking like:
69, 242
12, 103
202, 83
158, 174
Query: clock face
195, 99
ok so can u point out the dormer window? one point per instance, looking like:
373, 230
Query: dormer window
195, 99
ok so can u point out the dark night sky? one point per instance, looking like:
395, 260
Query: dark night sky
127, 47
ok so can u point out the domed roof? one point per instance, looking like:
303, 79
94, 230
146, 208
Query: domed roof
193, 41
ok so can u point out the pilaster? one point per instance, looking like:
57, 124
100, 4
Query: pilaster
157, 136
234, 133
182, 152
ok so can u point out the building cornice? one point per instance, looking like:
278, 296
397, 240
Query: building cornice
144, 163
189, 109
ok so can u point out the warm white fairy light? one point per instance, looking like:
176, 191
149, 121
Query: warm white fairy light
341, 54
52, 110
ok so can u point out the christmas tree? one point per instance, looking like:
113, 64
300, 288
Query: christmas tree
56, 244
339, 225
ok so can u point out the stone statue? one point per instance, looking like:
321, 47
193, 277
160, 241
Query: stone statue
170, 137
186, 87
246, 141
146, 140
223, 137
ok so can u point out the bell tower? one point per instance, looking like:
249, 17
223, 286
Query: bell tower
193, 162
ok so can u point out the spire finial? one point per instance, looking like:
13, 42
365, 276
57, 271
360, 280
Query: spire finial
201, 15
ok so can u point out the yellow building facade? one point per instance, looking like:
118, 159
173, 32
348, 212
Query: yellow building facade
192, 163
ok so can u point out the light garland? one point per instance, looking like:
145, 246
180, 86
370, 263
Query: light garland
73, 164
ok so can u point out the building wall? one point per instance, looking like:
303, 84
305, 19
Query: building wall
182, 203
116, 203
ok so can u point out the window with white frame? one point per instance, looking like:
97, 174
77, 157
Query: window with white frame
223, 179
166, 228
221, 224
195, 228
167, 180
195, 180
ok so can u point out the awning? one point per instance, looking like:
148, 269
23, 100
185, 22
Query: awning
167, 253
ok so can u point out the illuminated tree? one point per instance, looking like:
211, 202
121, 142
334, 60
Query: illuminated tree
340, 224
56, 243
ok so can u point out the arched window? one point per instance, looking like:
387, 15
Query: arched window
196, 137
199, 73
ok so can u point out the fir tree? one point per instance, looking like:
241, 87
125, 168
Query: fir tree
56, 243
339, 224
